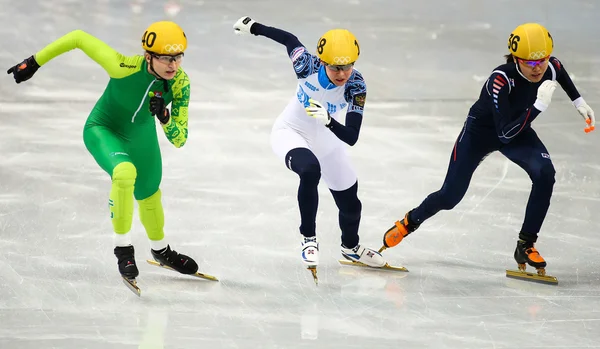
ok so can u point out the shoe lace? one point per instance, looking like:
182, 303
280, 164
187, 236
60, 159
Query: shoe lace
170, 254
310, 239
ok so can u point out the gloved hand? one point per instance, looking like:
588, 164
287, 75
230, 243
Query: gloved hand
24, 70
243, 25
317, 111
587, 113
544, 95
158, 107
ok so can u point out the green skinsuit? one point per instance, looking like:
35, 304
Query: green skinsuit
120, 132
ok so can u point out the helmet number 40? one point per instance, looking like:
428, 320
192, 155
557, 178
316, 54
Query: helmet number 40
149, 39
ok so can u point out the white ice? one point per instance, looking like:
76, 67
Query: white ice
230, 203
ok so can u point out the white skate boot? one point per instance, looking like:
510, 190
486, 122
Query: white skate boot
310, 251
363, 255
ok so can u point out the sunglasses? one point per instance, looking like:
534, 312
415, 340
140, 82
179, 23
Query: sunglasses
344, 67
166, 59
533, 63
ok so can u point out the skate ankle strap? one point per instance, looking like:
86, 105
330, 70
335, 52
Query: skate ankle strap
402, 228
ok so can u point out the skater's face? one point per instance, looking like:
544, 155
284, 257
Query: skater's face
533, 70
338, 74
164, 65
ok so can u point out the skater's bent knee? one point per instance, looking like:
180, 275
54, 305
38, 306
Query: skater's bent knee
448, 201
310, 172
124, 174
545, 175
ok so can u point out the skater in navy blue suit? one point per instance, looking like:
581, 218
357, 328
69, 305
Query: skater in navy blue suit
513, 96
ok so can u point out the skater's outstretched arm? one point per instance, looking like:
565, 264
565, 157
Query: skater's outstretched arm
114, 63
304, 62
563, 78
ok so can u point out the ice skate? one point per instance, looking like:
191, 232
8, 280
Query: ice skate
525, 254
365, 257
310, 255
399, 231
127, 267
172, 260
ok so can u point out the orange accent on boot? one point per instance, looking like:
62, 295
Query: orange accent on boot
534, 256
395, 234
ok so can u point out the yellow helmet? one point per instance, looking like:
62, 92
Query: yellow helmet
164, 38
338, 47
530, 41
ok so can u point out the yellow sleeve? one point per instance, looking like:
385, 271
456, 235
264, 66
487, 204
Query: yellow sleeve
176, 129
114, 63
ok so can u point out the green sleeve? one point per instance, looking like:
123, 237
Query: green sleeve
115, 64
176, 129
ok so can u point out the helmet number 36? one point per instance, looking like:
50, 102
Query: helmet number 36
513, 42
149, 39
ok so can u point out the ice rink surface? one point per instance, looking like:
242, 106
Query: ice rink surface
232, 205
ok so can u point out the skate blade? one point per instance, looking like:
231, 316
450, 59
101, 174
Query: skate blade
313, 270
359, 264
132, 285
524, 275
198, 275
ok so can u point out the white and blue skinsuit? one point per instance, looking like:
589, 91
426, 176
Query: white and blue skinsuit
312, 150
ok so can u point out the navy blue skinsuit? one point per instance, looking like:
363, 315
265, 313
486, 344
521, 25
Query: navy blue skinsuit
501, 121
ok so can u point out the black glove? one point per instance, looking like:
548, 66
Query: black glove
158, 107
24, 70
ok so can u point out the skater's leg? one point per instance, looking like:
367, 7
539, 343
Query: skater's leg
304, 163
149, 198
111, 153
341, 179
293, 149
529, 153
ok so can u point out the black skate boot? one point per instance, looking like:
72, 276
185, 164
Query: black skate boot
176, 261
126, 262
526, 253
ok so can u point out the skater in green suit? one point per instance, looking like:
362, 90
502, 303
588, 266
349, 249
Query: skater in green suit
120, 132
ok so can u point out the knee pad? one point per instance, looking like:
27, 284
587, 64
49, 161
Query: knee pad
310, 173
304, 163
547, 174
121, 197
124, 175
152, 216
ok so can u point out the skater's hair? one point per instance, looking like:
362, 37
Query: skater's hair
509, 58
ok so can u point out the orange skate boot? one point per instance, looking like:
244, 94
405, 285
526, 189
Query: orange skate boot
395, 234
525, 254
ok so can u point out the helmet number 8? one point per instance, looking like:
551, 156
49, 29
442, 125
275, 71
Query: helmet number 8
321, 45
149, 39
513, 42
